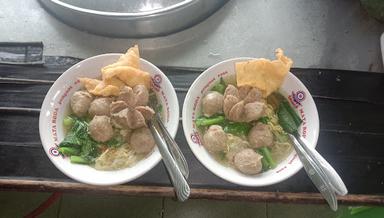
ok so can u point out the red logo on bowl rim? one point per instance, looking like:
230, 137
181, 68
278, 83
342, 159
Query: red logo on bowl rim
156, 82
195, 138
54, 152
297, 97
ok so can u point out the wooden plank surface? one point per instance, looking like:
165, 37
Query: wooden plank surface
199, 193
350, 106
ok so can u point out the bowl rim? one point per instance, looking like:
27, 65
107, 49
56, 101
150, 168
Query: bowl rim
55, 86
201, 160
154, 12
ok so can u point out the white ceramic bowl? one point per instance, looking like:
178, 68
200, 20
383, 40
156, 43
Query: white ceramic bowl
56, 105
292, 89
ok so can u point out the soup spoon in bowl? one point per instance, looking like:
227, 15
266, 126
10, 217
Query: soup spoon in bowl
322, 174
180, 184
336, 182
174, 149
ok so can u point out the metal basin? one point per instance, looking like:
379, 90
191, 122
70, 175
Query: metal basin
132, 18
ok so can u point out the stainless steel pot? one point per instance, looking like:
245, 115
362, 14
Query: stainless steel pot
132, 18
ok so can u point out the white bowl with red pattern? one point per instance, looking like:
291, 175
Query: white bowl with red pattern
292, 88
56, 106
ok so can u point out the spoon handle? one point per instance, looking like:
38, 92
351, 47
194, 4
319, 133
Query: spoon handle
316, 174
181, 186
174, 149
335, 179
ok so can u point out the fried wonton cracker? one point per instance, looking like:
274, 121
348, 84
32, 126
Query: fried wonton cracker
99, 88
130, 58
115, 76
130, 76
264, 74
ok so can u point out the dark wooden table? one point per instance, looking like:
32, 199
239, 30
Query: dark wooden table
351, 110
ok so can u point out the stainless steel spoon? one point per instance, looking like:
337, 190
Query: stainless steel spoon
181, 186
316, 174
173, 148
171, 143
336, 181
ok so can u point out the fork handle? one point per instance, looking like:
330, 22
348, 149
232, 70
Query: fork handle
174, 149
181, 186
316, 174
335, 179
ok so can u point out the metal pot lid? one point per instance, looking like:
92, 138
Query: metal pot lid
132, 18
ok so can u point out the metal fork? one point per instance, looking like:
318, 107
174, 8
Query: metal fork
171, 143
316, 174
336, 182
181, 186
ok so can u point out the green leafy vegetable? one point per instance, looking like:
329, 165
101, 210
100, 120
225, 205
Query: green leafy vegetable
293, 113
89, 150
208, 121
79, 160
265, 164
78, 142
288, 118
69, 151
68, 122
116, 141
264, 119
235, 128
267, 156
70, 140
157, 107
80, 129
286, 121
220, 87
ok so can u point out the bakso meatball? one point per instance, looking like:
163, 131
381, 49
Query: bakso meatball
127, 95
120, 119
243, 91
254, 110
80, 102
253, 95
135, 119
126, 134
212, 103
146, 111
231, 90
141, 95
215, 139
235, 144
229, 102
237, 112
100, 106
142, 141
248, 161
260, 135
117, 106
130, 118
100, 128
